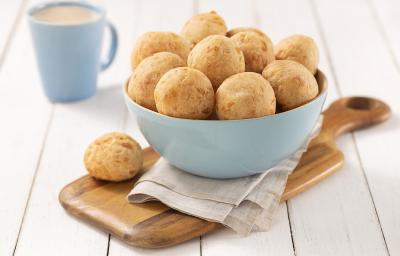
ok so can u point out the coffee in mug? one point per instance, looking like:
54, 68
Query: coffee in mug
66, 15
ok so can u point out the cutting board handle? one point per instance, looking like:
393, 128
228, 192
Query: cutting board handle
352, 113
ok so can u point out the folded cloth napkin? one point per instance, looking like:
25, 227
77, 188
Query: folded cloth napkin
243, 204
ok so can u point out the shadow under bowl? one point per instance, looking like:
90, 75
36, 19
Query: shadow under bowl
229, 148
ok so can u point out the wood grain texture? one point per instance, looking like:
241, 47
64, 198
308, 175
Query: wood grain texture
105, 204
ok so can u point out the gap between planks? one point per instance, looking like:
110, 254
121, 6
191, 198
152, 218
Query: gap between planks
257, 23
390, 49
14, 27
290, 228
370, 192
10, 37
42, 146
195, 11
334, 75
137, 26
383, 33
125, 114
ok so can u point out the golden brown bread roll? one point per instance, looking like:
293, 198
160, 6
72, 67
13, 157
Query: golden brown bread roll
153, 42
202, 25
218, 57
245, 95
234, 31
114, 157
293, 84
184, 93
299, 48
147, 74
258, 51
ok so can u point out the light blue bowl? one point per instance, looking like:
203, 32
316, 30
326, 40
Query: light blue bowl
232, 148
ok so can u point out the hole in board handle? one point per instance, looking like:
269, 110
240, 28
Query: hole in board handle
361, 103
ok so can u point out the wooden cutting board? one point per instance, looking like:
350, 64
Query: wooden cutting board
154, 225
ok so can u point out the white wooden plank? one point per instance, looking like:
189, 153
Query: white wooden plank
118, 248
154, 16
10, 14
337, 216
24, 116
236, 13
365, 65
278, 240
121, 14
47, 228
387, 15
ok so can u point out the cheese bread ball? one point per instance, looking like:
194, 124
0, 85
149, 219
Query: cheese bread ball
113, 157
299, 48
153, 42
202, 25
218, 57
147, 74
293, 84
245, 95
258, 52
184, 93
234, 31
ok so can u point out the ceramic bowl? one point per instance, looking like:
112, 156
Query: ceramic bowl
229, 148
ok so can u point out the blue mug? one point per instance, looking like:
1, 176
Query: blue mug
68, 55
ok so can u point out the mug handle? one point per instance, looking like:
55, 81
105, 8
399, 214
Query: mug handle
113, 48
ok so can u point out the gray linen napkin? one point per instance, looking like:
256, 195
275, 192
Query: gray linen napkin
243, 204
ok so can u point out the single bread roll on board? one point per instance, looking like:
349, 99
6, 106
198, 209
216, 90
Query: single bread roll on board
114, 157
245, 95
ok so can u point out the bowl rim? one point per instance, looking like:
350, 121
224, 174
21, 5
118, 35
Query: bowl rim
319, 76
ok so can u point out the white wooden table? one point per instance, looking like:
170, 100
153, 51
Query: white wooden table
354, 212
